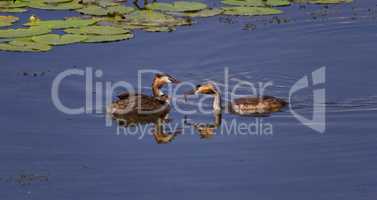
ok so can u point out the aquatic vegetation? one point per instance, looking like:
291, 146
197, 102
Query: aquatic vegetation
250, 11
178, 6
108, 38
202, 13
97, 30
13, 7
24, 32
159, 29
154, 18
101, 33
257, 3
24, 45
111, 20
55, 39
12, 10
7, 20
102, 3
101, 11
42, 4
11, 4
62, 24
329, 1
56, 1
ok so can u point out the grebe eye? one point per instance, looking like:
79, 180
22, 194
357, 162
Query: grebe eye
198, 86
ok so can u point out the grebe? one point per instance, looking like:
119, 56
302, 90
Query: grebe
243, 105
134, 104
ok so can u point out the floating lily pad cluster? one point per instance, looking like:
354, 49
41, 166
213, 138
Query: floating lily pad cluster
101, 33
111, 20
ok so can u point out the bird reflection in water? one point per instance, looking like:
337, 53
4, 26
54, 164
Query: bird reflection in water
159, 134
206, 130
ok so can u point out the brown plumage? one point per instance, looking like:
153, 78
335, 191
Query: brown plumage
256, 105
244, 105
141, 104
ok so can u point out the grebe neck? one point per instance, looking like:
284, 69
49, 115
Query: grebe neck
157, 92
156, 89
217, 103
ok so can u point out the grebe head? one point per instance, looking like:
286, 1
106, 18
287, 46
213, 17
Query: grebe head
160, 80
207, 88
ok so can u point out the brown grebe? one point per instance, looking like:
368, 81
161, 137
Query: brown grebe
244, 105
135, 104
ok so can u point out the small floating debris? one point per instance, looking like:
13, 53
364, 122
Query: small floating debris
27, 179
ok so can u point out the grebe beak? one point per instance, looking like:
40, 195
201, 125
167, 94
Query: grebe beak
193, 91
173, 80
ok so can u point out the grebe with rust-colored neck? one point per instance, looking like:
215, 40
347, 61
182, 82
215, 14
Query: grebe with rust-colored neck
244, 105
141, 104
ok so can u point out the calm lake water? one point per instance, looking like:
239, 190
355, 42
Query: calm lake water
84, 159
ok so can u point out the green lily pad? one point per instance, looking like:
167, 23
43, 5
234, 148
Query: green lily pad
257, 3
202, 13
250, 11
56, 1
12, 10
178, 6
23, 45
93, 10
97, 30
102, 3
24, 32
153, 18
329, 1
55, 39
107, 38
7, 20
159, 29
119, 9
101, 11
63, 24
40, 4
11, 4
